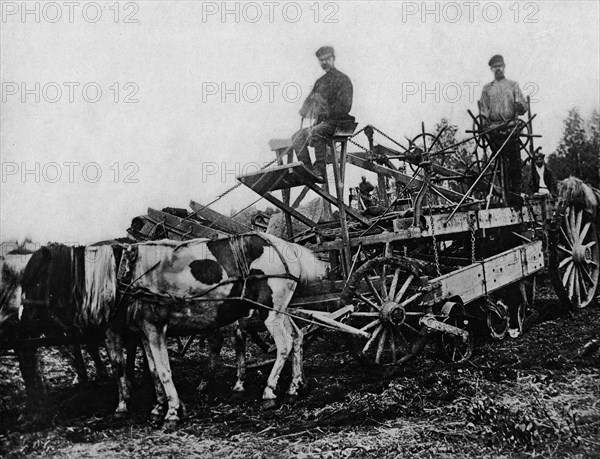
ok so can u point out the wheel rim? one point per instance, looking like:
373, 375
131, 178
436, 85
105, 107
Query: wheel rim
386, 297
578, 257
453, 348
496, 314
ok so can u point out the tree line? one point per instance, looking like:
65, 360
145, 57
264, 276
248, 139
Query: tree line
579, 149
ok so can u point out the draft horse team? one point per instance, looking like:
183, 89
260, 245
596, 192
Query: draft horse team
112, 290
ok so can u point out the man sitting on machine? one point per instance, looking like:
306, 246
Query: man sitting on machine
329, 104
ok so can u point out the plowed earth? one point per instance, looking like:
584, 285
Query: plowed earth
537, 395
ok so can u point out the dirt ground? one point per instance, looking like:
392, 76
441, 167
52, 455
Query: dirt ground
534, 396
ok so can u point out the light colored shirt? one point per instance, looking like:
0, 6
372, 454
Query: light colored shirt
501, 100
543, 188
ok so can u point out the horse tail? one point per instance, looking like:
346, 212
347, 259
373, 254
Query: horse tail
100, 285
10, 280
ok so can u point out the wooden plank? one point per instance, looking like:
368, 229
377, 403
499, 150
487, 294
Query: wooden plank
327, 302
278, 177
479, 279
293, 212
218, 220
190, 227
482, 219
333, 200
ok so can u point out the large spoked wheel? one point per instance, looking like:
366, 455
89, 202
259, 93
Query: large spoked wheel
574, 256
385, 293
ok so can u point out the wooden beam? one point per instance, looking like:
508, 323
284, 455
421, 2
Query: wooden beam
189, 227
482, 219
218, 220
293, 212
330, 198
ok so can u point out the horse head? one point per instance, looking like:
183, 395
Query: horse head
576, 192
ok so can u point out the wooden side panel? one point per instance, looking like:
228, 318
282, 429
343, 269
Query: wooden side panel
476, 280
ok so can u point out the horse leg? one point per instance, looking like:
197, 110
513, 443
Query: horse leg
297, 364
283, 342
131, 345
31, 367
281, 293
114, 346
157, 343
240, 356
76, 358
158, 412
94, 352
214, 343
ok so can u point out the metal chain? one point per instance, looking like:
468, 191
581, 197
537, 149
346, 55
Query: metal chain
380, 132
389, 138
435, 247
472, 230
359, 145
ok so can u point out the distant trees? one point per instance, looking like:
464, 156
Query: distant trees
579, 149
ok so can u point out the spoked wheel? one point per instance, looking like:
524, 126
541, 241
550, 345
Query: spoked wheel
385, 293
429, 143
524, 135
574, 256
480, 140
453, 348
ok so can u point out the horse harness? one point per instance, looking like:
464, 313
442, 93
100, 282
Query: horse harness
237, 246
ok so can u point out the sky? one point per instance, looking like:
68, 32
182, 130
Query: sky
109, 108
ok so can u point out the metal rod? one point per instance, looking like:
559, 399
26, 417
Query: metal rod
470, 190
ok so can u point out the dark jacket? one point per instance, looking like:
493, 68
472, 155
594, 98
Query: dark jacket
365, 188
549, 180
330, 98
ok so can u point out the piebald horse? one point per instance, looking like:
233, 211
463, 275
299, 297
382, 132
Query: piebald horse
196, 286
203, 285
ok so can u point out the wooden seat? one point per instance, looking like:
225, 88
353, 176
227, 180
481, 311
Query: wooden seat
279, 177
344, 131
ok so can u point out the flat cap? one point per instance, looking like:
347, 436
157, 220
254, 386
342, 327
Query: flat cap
496, 59
538, 152
325, 50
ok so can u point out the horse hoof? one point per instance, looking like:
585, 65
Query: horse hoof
155, 418
170, 424
290, 399
238, 394
182, 412
203, 387
120, 415
269, 404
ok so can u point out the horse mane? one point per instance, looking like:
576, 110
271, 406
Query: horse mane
574, 191
100, 285
64, 279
